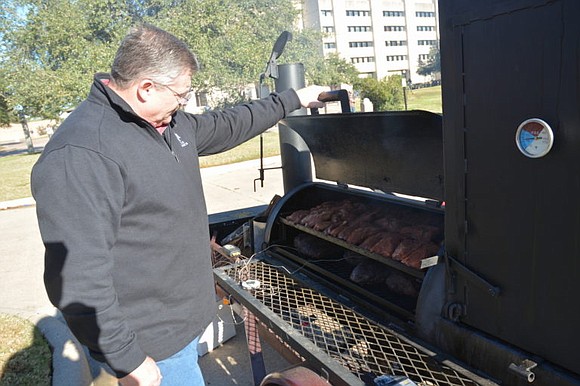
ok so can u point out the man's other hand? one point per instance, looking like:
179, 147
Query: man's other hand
147, 374
309, 96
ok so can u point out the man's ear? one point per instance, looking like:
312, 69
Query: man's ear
145, 89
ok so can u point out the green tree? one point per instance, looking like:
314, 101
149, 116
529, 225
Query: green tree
52, 48
232, 39
385, 94
432, 66
4, 110
333, 71
4, 113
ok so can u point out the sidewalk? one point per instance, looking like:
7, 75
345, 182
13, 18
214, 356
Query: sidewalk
22, 291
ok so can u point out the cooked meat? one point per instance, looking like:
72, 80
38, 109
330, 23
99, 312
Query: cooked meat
348, 230
387, 245
298, 215
344, 214
335, 228
410, 252
402, 284
370, 241
315, 248
405, 248
421, 232
369, 271
321, 225
371, 214
427, 249
360, 234
315, 217
391, 224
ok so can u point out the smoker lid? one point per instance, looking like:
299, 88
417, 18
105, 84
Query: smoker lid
395, 152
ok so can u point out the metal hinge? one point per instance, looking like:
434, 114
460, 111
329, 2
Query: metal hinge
524, 369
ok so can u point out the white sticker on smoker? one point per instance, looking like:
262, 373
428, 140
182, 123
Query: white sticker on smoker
429, 262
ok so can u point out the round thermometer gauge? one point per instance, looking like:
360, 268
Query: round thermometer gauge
534, 138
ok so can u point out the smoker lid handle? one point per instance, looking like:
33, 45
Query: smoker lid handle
331, 96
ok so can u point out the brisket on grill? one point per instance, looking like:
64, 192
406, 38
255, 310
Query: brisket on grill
315, 248
371, 272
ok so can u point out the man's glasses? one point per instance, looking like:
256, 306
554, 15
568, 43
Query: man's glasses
182, 98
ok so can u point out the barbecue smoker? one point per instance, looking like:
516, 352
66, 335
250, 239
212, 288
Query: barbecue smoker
490, 193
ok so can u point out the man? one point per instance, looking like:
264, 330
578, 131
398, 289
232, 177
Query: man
122, 213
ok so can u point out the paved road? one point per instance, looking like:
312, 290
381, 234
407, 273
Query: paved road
14, 147
21, 261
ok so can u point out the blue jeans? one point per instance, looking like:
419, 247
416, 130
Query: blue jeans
180, 369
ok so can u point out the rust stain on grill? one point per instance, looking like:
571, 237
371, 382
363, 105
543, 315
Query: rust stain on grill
360, 345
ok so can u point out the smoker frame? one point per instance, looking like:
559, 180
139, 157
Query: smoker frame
413, 135
476, 297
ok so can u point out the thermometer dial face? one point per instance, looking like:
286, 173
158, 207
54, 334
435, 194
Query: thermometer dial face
534, 138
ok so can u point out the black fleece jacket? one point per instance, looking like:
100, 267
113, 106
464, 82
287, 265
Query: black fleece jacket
122, 215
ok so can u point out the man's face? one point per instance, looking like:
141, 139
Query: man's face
161, 101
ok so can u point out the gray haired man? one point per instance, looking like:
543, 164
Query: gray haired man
122, 213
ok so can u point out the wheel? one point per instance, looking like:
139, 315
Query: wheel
295, 376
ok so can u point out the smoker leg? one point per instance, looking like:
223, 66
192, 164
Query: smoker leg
254, 347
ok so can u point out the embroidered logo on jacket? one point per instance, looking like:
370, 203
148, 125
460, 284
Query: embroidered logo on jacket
181, 142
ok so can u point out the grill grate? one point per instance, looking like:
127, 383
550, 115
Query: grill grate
363, 347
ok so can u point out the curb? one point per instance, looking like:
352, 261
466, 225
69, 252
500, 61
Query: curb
19, 203
69, 363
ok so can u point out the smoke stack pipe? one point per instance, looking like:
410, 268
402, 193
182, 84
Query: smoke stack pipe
295, 155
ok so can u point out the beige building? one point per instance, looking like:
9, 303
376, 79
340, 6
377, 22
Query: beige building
380, 37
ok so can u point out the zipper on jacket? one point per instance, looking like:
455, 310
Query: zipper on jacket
169, 141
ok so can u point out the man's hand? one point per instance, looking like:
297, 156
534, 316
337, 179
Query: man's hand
309, 96
147, 374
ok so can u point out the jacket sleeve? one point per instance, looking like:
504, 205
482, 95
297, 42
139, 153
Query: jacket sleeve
222, 130
79, 195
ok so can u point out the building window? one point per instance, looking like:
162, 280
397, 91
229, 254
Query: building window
329, 29
425, 14
326, 12
425, 28
395, 28
359, 28
396, 58
427, 42
393, 13
390, 43
423, 56
362, 59
330, 46
358, 13
360, 44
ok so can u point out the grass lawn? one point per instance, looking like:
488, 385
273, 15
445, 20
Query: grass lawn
246, 151
25, 356
15, 169
425, 99
15, 176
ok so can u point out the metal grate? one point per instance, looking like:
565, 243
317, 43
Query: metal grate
366, 349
